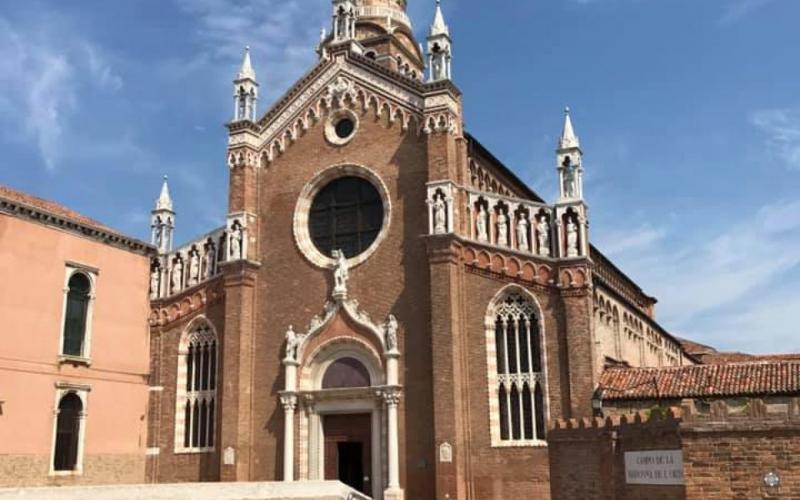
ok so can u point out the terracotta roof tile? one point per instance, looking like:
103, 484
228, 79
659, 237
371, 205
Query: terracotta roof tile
49, 206
722, 380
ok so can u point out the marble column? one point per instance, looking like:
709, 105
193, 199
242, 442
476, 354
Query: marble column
289, 402
392, 399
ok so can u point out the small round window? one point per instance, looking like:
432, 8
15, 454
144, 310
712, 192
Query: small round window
341, 127
346, 214
344, 128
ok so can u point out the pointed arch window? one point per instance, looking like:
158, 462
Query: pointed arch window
516, 372
197, 390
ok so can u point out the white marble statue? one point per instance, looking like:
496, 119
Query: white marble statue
543, 229
439, 216
482, 224
340, 273
292, 341
522, 233
177, 276
154, 282
570, 183
572, 239
194, 267
502, 229
390, 330
208, 261
236, 241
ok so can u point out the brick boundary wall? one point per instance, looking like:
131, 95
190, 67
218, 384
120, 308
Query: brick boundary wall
725, 454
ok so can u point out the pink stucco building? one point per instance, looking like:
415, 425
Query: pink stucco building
74, 358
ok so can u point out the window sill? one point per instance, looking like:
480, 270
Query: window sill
536, 443
74, 360
66, 473
193, 451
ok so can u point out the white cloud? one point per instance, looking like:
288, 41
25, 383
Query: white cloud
739, 9
42, 70
628, 241
782, 128
697, 282
282, 35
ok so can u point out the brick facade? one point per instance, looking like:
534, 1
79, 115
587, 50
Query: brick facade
725, 455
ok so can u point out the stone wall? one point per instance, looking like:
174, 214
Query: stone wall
725, 455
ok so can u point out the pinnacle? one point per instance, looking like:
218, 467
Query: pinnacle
246, 72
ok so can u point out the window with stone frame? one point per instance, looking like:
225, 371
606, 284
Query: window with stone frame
197, 390
68, 433
518, 381
76, 312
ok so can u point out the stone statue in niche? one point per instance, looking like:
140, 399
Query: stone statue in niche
236, 241
194, 266
177, 275
439, 216
155, 273
522, 233
340, 274
390, 331
502, 228
482, 224
570, 181
292, 341
543, 228
572, 238
208, 260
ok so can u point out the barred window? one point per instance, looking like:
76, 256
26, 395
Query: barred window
200, 389
519, 389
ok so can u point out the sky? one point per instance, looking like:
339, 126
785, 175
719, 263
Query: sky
688, 112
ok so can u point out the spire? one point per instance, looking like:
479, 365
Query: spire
162, 220
440, 53
246, 72
164, 201
439, 27
568, 138
245, 90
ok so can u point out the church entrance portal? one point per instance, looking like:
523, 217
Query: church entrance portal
348, 456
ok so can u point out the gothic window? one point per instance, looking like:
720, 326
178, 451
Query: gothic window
518, 381
346, 214
345, 372
68, 428
76, 315
198, 390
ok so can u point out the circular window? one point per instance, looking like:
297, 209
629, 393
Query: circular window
341, 127
344, 207
346, 215
344, 128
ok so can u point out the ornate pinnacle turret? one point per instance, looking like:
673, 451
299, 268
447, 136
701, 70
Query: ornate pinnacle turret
439, 47
162, 220
164, 201
439, 27
568, 138
245, 90
246, 72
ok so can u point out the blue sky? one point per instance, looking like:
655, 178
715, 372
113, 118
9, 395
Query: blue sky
688, 112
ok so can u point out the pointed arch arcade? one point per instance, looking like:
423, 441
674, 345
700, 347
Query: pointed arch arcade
516, 363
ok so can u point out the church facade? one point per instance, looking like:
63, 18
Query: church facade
387, 304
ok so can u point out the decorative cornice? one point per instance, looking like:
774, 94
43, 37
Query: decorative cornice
105, 236
188, 303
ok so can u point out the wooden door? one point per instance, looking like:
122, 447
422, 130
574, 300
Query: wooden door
348, 450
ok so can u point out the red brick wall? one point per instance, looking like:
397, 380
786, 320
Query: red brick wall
724, 458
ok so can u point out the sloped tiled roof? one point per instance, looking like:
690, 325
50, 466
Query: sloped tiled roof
50, 207
720, 380
15, 202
